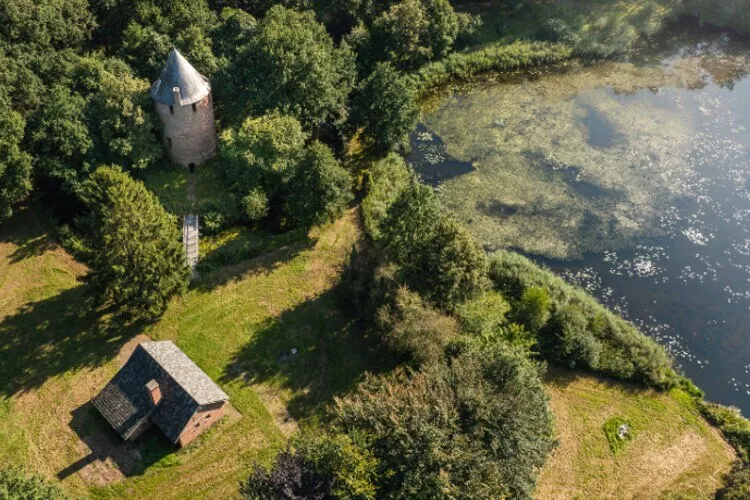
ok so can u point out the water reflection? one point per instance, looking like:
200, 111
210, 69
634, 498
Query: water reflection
637, 171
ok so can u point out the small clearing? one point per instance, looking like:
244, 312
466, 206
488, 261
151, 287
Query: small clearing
673, 453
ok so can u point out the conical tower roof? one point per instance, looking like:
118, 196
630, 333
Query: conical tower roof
181, 74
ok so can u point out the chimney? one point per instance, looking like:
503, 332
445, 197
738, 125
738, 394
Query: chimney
154, 391
176, 95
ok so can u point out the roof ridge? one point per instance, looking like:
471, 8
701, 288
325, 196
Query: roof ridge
181, 379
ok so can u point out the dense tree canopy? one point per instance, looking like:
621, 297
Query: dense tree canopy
292, 65
439, 256
476, 427
130, 243
15, 164
385, 107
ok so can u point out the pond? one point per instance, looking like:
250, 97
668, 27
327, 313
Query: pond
630, 179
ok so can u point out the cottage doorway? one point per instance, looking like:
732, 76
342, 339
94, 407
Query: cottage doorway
191, 167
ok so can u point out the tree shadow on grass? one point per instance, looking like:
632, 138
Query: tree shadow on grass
314, 350
234, 260
55, 335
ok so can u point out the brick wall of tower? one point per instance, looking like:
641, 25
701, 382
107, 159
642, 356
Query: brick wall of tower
189, 135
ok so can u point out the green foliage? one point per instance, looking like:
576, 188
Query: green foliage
624, 352
15, 164
60, 139
477, 427
385, 108
291, 65
533, 308
439, 257
255, 204
734, 427
413, 329
344, 458
612, 431
130, 244
463, 66
737, 484
143, 31
413, 32
386, 179
320, 190
263, 152
16, 484
46, 25
484, 314
120, 121
570, 340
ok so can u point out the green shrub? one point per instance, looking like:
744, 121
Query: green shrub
475, 427
533, 307
386, 179
16, 484
412, 328
625, 353
733, 425
213, 222
571, 341
439, 257
612, 431
255, 204
500, 57
320, 189
736, 484
484, 314
385, 108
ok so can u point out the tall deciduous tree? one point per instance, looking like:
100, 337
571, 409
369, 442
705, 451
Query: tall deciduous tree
475, 427
130, 243
320, 190
385, 107
292, 65
439, 257
15, 164
413, 32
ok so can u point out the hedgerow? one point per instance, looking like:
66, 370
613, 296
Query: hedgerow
464, 66
582, 332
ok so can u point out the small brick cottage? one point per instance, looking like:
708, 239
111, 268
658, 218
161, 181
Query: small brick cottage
161, 386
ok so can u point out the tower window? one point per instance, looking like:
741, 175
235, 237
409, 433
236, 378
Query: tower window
169, 142
194, 109
171, 110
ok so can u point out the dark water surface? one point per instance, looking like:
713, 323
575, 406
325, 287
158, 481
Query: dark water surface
687, 282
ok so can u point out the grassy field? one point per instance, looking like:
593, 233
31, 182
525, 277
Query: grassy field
239, 324
672, 451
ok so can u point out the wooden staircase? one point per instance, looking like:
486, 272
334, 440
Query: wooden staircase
190, 238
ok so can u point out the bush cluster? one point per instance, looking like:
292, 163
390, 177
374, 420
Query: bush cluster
463, 66
581, 332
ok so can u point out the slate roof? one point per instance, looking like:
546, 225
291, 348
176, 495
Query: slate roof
178, 72
125, 402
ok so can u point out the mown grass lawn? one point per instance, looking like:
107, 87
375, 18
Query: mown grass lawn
672, 452
239, 324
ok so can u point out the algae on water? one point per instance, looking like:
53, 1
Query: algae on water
583, 161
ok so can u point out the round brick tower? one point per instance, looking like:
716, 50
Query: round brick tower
183, 101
